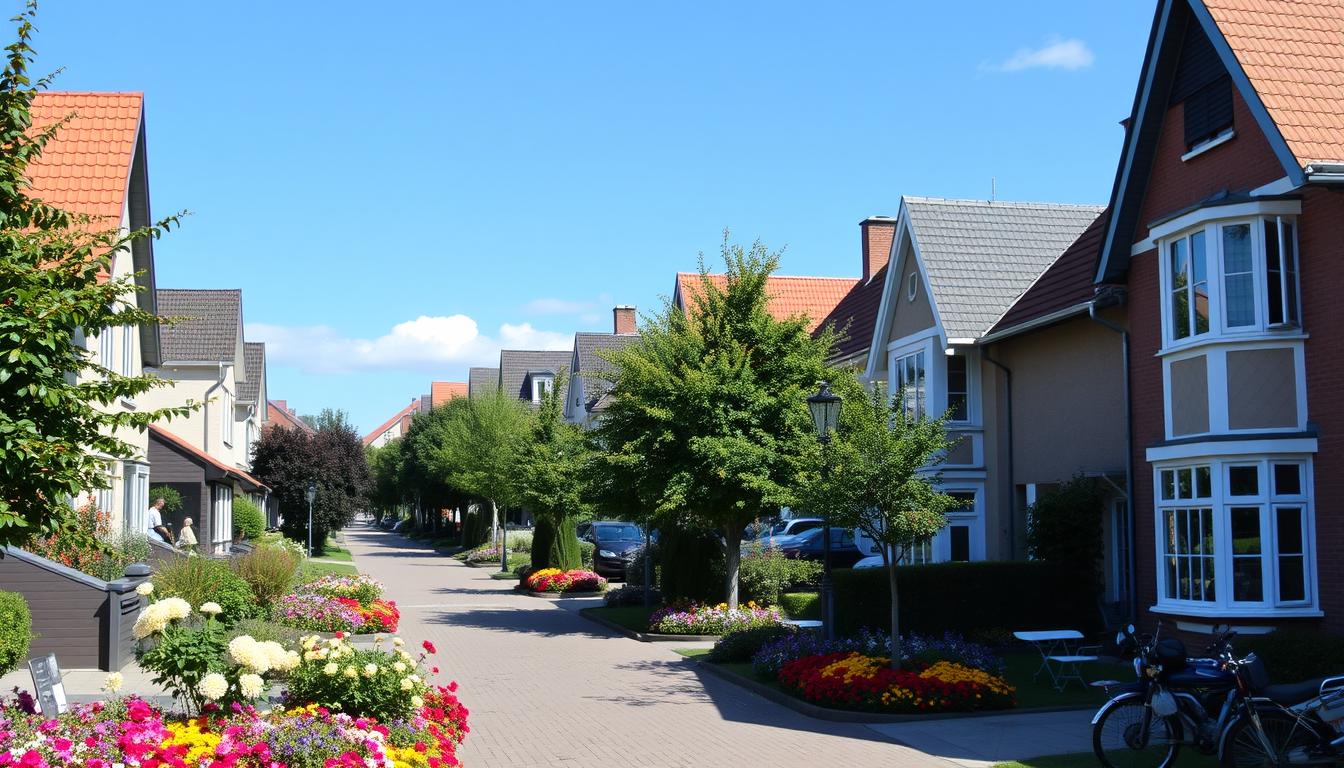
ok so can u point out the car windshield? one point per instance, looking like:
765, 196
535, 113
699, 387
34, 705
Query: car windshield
618, 532
777, 529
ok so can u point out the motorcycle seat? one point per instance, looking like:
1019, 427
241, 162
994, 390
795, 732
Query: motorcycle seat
1289, 694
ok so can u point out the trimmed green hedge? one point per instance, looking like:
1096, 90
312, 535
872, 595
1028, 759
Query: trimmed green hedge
1295, 654
16, 631
980, 600
249, 523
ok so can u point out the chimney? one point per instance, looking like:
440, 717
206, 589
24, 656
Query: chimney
878, 232
623, 320
282, 405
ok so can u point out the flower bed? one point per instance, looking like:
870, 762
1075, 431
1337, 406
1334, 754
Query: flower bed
852, 680
712, 619
339, 604
916, 649
556, 580
131, 732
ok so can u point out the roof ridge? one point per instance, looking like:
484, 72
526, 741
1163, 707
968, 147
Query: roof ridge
1003, 203
141, 94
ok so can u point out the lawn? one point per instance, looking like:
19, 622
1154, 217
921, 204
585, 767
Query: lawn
1187, 758
633, 617
334, 552
311, 570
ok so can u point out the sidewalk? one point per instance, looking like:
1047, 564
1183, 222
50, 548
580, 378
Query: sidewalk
83, 685
978, 742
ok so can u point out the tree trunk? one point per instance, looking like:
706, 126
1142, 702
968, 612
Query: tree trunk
732, 561
494, 523
895, 609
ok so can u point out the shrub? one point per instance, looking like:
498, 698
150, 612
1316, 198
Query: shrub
383, 683
543, 536
742, 645
172, 500
711, 620
965, 597
1296, 654
362, 588
262, 631
631, 594
16, 630
586, 550
690, 566
280, 541
765, 574
249, 523
90, 546
269, 571
564, 548
1064, 527
201, 580
801, 605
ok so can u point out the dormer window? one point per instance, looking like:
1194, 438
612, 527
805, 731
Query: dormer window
541, 384
1231, 277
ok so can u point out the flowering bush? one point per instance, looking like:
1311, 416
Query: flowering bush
88, 545
364, 589
712, 619
556, 580
377, 616
195, 663
854, 680
316, 613
384, 683
131, 732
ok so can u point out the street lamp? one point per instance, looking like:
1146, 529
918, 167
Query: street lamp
311, 494
825, 408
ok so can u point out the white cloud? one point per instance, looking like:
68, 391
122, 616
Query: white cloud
1057, 54
554, 306
425, 343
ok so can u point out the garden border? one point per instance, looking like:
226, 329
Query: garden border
847, 716
645, 637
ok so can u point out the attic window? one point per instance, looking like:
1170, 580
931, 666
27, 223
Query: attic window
912, 286
540, 386
1208, 113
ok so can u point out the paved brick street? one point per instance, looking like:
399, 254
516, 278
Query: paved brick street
547, 688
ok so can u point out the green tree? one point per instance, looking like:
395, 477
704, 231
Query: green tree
552, 466
1065, 526
709, 424
386, 467
56, 403
882, 479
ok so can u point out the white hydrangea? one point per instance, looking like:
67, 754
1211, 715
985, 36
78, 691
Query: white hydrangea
175, 608
398, 642
145, 589
400, 666
213, 686
349, 671
149, 622
211, 609
251, 685
277, 657
417, 702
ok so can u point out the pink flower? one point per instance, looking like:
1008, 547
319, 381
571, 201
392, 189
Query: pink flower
429, 647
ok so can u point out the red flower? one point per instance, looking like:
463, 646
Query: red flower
340, 635
429, 647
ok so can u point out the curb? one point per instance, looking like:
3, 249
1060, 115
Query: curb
560, 595
645, 637
846, 716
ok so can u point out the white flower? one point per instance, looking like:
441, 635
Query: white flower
276, 656
251, 685
211, 609
113, 683
417, 702
399, 666
213, 686
331, 668
149, 622
349, 671
145, 589
247, 652
175, 608
398, 642
370, 669
407, 684
289, 663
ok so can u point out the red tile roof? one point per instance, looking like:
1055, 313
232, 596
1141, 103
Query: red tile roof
386, 425
86, 167
279, 415
1293, 53
855, 317
441, 392
814, 297
204, 457
1067, 283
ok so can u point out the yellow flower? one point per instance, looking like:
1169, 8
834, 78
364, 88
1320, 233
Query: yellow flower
331, 668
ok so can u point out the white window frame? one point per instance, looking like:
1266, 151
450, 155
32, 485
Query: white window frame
917, 400
221, 513
1216, 273
541, 384
107, 349
1220, 502
938, 548
127, 350
1216, 384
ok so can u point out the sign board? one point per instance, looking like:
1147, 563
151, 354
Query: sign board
47, 680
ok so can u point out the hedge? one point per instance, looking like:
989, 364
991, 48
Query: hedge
249, 523
984, 600
16, 631
691, 566
1295, 654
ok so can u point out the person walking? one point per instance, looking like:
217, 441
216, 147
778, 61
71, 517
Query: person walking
155, 524
186, 538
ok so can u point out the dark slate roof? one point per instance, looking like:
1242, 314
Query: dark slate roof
481, 380
1067, 283
855, 317
592, 367
208, 326
254, 363
981, 255
516, 364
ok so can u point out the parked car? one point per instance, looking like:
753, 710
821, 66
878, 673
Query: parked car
808, 546
785, 528
615, 545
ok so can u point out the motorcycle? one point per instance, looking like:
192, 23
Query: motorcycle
1298, 724
1176, 700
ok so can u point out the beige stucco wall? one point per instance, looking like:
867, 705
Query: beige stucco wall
1261, 388
1068, 401
1188, 380
203, 427
909, 317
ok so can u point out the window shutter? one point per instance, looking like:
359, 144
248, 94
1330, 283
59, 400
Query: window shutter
1208, 111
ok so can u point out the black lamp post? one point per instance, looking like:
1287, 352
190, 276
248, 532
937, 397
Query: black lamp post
825, 408
311, 494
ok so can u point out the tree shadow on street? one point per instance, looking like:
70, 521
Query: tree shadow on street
546, 623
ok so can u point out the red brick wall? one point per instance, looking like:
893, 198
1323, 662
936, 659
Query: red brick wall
1145, 382
877, 234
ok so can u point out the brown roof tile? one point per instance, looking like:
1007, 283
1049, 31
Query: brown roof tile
1067, 283
1293, 53
855, 317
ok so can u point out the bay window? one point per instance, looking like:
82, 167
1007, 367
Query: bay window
1229, 278
908, 376
958, 388
1235, 534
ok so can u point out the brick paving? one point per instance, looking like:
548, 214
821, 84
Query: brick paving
548, 688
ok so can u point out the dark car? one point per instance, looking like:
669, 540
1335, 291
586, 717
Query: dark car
808, 546
615, 546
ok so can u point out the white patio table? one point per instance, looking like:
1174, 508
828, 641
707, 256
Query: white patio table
1054, 647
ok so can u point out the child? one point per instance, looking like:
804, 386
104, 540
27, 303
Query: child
186, 539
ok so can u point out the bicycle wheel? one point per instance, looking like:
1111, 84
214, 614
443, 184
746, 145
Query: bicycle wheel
1119, 742
1290, 740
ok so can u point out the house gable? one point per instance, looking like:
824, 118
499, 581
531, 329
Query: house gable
898, 317
1187, 50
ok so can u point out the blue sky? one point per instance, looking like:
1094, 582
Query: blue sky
400, 190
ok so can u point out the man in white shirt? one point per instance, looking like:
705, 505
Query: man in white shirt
155, 525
